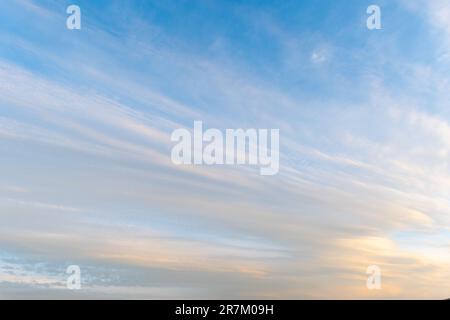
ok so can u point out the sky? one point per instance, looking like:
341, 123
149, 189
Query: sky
86, 176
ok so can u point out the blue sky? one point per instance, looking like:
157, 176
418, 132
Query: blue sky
86, 177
